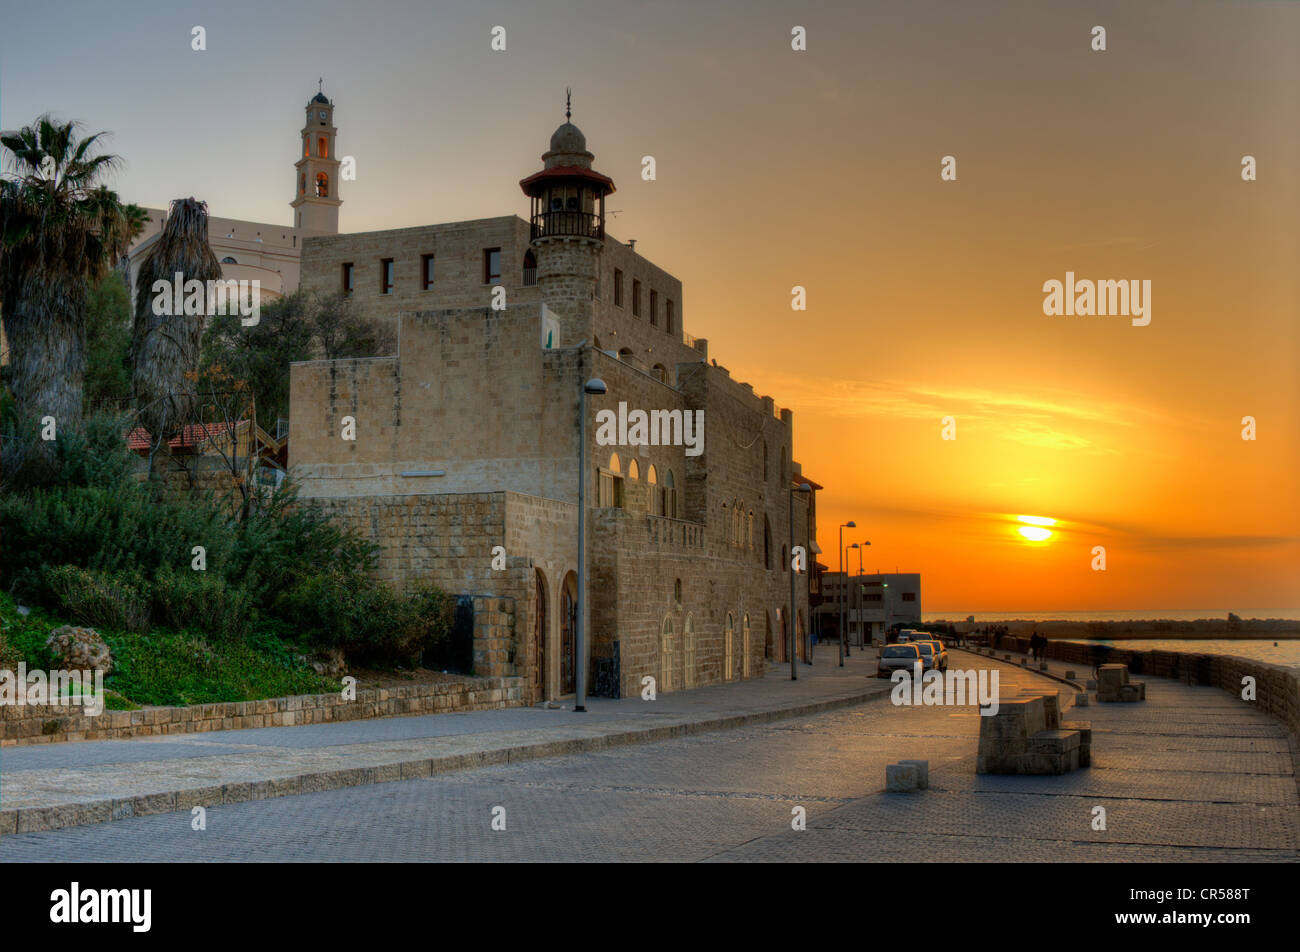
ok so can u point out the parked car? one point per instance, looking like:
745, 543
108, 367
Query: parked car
941, 654
897, 656
929, 657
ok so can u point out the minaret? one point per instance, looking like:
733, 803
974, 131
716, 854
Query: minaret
316, 182
568, 230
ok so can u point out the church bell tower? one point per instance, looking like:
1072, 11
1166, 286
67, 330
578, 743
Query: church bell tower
316, 182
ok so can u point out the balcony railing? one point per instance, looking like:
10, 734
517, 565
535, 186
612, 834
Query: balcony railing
576, 224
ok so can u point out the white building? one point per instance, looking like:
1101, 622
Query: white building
870, 604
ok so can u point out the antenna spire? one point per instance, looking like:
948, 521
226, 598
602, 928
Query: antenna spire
320, 85
568, 103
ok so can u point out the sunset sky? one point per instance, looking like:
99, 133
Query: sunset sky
821, 168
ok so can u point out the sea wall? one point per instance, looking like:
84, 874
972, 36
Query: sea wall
1277, 687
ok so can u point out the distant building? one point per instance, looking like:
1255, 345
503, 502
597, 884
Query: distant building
871, 604
267, 252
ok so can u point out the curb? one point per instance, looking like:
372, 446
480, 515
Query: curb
60, 816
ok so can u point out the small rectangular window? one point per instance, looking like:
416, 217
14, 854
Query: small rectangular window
670, 316
426, 272
386, 273
348, 278
909, 596
654, 307
636, 298
491, 265
618, 288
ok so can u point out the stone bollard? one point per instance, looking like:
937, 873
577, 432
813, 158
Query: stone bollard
922, 772
1042, 666
1006, 657
1090, 685
1081, 700
1069, 675
901, 778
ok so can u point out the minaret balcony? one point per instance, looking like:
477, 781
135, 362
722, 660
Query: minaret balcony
568, 224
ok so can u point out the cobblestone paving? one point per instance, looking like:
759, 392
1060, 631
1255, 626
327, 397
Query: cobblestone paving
1175, 788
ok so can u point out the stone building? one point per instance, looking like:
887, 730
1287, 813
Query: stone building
467, 439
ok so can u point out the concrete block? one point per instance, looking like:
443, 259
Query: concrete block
1069, 675
901, 778
922, 772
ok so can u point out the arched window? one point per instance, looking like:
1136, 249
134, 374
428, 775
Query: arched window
624, 353
784, 478
749, 535
306, 147
322, 147
611, 484
322, 185
302, 183
785, 560
633, 470
670, 496
677, 590
737, 515
228, 260
765, 476
530, 272
767, 544
660, 372
666, 654
656, 497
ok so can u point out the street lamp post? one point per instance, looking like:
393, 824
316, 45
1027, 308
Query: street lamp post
856, 607
595, 386
862, 634
801, 488
844, 593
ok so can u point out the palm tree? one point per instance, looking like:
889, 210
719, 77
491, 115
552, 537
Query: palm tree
165, 346
60, 231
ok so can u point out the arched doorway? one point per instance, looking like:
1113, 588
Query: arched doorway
802, 638
744, 646
769, 649
666, 655
688, 653
539, 637
728, 636
569, 635
784, 640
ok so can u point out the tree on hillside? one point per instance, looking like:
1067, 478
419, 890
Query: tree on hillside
108, 345
299, 326
165, 341
60, 231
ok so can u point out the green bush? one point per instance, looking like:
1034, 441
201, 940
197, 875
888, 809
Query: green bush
185, 599
101, 599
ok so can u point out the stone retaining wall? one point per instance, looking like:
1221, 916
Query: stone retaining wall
1277, 687
42, 724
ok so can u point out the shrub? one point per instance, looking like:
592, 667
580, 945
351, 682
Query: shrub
112, 600
185, 599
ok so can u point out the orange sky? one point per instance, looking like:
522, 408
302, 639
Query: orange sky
821, 169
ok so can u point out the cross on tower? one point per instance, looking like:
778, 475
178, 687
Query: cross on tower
568, 101
320, 85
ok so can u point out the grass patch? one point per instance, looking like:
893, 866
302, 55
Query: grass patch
165, 667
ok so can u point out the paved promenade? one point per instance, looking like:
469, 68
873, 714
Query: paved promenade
1190, 774
57, 785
